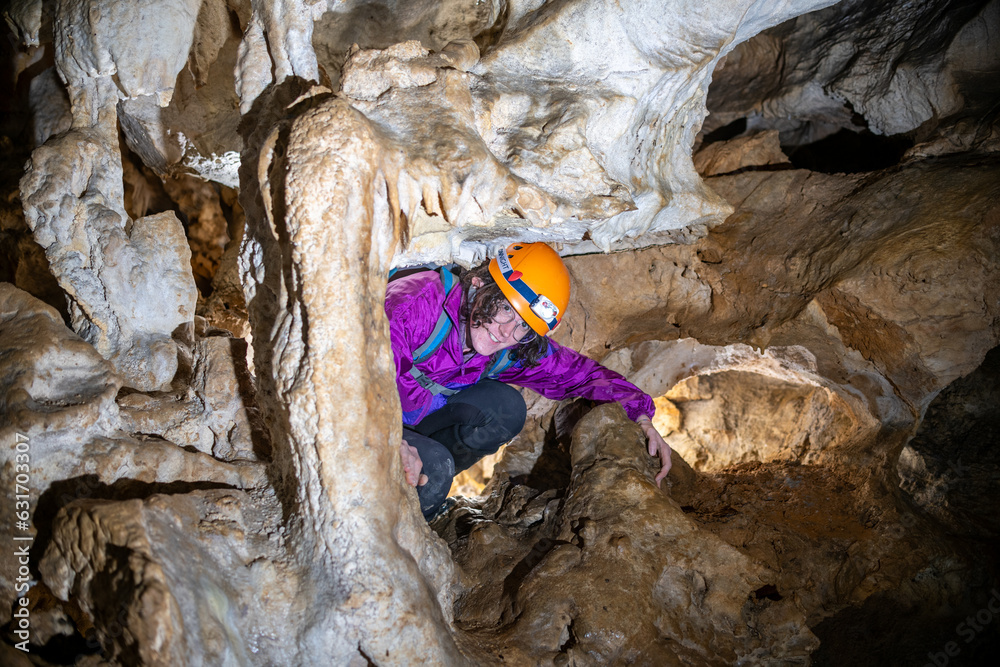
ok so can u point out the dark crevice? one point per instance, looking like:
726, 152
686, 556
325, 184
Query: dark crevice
63, 648
756, 167
552, 470
520, 571
959, 461
884, 630
726, 132
367, 658
570, 639
848, 152
489, 37
767, 591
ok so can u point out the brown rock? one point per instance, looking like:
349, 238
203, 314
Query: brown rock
612, 570
748, 151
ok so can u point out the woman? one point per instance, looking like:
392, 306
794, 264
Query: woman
458, 343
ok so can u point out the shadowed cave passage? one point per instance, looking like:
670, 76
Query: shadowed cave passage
849, 152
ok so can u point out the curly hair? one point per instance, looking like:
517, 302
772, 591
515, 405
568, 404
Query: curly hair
482, 308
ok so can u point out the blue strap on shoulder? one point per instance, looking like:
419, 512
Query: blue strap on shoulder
442, 328
502, 363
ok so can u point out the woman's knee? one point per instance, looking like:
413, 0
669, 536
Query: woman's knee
499, 403
438, 466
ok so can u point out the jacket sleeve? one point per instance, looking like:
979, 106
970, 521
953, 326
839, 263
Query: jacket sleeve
564, 372
410, 307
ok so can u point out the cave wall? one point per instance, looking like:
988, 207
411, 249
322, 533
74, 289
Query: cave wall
194, 350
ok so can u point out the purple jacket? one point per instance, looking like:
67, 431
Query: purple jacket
413, 305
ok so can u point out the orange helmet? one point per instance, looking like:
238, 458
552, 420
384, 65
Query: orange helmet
534, 279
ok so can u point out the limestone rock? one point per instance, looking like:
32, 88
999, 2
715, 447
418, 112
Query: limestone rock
379, 583
749, 151
195, 132
24, 261
50, 111
737, 405
565, 559
129, 286
643, 124
59, 394
458, 126
218, 604
25, 18
570, 145
837, 547
225, 308
441, 192
806, 541
819, 73
209, 414
954, 224
811, 235
207, 228
972, 55
368, 74
54, 383
471, 481
114, 41
434, 24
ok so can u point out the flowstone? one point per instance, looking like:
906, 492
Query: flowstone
128, 282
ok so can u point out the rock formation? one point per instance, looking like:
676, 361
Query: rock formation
781, 222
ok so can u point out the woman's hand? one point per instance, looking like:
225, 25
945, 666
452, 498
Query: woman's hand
412, 465
656, 446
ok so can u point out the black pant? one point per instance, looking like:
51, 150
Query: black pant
474, 423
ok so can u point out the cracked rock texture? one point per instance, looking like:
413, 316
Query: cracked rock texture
120, 561
595, 572
200, 201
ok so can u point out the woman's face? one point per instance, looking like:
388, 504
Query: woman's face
507, 329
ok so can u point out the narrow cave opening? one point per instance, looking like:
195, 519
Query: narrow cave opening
849, 152
70, 644
726, 132
889, 630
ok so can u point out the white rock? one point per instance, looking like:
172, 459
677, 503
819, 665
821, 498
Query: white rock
128, 289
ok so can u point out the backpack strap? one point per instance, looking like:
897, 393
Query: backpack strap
442, 328
429, 384
502, 363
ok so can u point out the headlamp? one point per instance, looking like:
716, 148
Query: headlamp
544, 308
